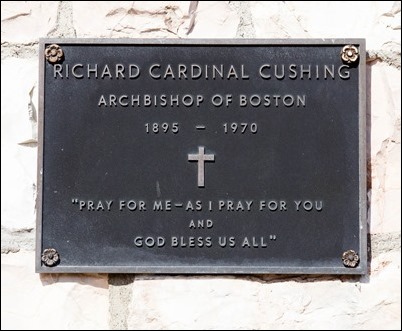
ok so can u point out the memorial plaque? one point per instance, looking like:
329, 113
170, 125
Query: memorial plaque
202, 156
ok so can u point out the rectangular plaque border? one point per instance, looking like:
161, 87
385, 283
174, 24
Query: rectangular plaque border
360, 269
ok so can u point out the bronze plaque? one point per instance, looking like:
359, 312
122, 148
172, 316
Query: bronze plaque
202, 156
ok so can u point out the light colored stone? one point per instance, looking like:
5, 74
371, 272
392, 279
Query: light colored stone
392, 188
165, 19
376, 21
379, 302
392, 180
127, 19
27, 21
215, 19
384, 136
385, 210
30, 301
194, 303
19, 99
385, 104
14, 241
271, 302
392, 210
245, 29
160, 6
104, 16
18, 141
64, 24
276, 19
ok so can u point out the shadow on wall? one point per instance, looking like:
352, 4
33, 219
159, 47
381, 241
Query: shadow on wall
95, 280
124, 279
368, 162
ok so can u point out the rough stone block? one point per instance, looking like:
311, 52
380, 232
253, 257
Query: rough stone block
276, 19
18, 142
270, 302
384, 84
378, 21
127, 19
214, 19
27, 21
48, 302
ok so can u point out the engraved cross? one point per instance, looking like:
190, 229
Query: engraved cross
201, 158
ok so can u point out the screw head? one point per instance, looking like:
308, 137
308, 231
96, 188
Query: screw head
349, 54
53, 53
50, 257
350, 259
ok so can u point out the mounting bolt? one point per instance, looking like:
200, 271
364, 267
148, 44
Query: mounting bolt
349, 54
50, 257
350, 259
54, 53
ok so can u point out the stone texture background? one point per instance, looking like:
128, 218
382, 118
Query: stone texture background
31, 301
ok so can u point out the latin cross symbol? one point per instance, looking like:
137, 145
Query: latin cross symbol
201, 158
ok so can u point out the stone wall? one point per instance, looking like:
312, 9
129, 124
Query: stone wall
99, 301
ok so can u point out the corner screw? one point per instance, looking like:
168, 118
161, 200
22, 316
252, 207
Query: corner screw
54, 53
349, 54
350, 259
50, 257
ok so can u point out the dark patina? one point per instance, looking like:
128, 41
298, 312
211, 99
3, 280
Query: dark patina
202, 156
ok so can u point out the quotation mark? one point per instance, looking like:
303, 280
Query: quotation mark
74, 201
